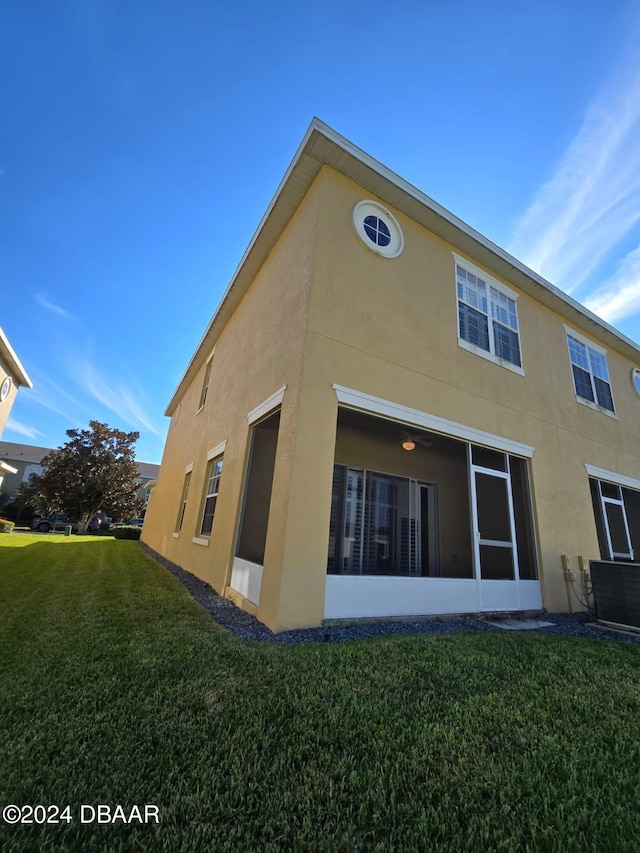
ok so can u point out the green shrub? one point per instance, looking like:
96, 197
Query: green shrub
126, 531
6, 526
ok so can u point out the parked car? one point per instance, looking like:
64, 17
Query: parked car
133, 522
59, 522
53, 522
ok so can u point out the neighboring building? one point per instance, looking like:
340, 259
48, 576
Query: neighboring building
388, 415
25, 459
12, 376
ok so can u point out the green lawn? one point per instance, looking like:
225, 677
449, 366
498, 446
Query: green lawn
116, 688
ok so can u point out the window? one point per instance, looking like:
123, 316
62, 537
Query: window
590, 373
183, 501
6, 387
378, 229
212, 484
487, 316
205, 384
617, 516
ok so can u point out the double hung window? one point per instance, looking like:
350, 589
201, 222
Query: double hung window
183, 501
590, 373
487, 316
205, 384
212, 485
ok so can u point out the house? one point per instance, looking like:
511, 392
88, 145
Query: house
25, 460
390, 416
12, 376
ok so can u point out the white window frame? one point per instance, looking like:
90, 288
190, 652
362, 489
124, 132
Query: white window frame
186, 483
211, 490
491, 282
206, 381
591, 404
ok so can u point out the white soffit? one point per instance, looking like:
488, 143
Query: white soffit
414, 417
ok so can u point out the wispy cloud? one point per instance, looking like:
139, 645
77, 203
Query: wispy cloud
22, 429
52, 396
619, 297
593, 199
45, 302
123, 398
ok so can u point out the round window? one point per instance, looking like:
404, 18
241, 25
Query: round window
635, 378
6, 387
378, 229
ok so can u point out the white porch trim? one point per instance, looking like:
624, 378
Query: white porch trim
367, 597
266, 406
246, 578
376, 405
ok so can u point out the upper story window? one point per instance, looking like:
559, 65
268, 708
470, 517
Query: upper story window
205, 384
487, 317
590, 373
378, 229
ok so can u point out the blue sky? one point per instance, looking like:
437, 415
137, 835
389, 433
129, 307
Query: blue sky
142, 141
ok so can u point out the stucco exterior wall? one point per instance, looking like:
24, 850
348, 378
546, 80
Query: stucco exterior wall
325, 309
259, 351
389, 328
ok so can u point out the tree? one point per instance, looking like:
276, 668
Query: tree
95, 470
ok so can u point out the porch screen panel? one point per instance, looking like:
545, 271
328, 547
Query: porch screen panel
496, 563
380, 526
620, 544
599, 519
494, 526
336, 520
523, 518
352, 540
631, 499
374, 525
493, 508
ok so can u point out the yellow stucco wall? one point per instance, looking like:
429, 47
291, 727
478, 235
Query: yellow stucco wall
258, 352
325, 309
389, 328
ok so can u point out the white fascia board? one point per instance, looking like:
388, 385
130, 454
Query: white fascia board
612, 477
13, 363
4, 466
414, 417
266, 406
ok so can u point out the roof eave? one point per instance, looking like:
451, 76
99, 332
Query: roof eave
13, 363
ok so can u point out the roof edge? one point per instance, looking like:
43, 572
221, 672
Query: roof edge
15, 366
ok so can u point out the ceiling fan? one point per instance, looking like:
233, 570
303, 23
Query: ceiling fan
409, 441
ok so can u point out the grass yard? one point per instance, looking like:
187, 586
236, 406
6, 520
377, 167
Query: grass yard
116, 688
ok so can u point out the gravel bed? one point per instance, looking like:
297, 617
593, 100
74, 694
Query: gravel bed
243, 625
